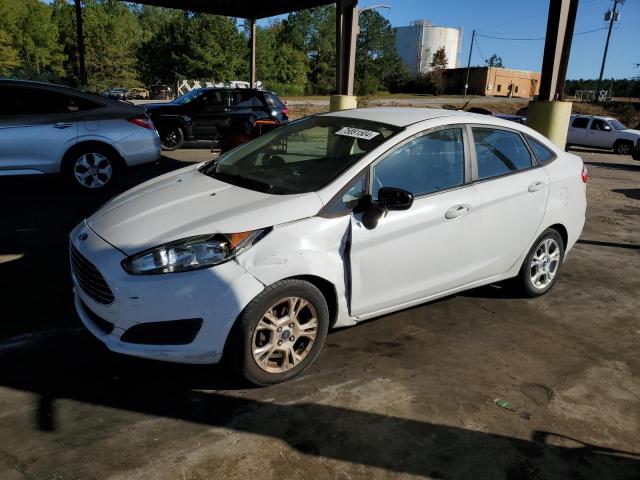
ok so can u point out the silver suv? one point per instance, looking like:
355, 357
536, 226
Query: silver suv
88, 138
601, 132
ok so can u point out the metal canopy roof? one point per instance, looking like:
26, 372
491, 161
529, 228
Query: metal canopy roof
251, 9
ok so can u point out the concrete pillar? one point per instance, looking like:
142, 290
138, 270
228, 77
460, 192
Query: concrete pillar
549, 115
346, 37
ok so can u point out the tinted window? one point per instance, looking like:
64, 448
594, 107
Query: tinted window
618, 125
580, 122
598, 124
272, 100
427, 164
213, 99
499, 152
26, 101
245, 99
542, 153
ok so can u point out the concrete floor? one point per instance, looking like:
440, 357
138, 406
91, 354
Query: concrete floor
410, 395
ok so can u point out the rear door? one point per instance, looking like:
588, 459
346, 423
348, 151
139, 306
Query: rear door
210, 114
512, 191
578, 131
37, 126
600, 134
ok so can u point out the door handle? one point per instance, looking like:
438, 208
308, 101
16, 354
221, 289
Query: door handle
457, 211
62, 125
535, 186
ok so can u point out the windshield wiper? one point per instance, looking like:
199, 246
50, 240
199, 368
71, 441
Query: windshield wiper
241, 181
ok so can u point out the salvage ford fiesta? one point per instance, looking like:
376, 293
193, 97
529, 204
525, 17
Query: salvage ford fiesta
323, 223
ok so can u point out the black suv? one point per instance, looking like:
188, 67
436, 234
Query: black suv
226, 116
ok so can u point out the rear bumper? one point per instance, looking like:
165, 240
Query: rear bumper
139, 148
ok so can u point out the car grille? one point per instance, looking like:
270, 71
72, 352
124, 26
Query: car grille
89, 278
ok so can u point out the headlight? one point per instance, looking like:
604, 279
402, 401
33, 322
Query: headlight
193, 253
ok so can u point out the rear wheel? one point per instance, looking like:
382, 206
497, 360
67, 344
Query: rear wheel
281, 332
171, 137
540, 269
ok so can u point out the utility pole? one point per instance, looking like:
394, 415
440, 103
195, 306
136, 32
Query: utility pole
606, 46
80, 39
466, 83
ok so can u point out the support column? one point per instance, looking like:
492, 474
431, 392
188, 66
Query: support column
80, 39
252, 53
548, 114
346, 36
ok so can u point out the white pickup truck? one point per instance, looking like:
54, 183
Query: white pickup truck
601, 132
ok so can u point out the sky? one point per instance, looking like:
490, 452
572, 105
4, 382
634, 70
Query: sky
528, 19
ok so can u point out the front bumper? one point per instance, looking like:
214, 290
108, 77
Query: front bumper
216, 295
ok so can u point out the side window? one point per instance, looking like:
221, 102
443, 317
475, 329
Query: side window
246, 98
213, 99
427, 164
499, 152
542, 153
27, 101
598, 124
580, 122
272, 100
348, 198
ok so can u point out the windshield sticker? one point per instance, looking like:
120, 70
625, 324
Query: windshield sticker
357, 133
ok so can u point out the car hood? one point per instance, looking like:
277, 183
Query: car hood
186, 202
632, 131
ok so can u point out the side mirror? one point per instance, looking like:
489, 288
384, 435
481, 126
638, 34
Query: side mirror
395, 198
607, 128
389, 198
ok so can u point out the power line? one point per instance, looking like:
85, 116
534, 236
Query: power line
535, 38
482, 57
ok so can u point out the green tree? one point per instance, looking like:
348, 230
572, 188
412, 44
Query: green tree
438, 65
439, 60
494, 61
8, 54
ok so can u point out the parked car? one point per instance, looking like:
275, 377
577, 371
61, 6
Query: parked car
226, 116
138, 94
601, 132
161, 92
88, 138
323, 223
118, 93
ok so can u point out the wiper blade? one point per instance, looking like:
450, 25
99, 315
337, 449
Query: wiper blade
240, 181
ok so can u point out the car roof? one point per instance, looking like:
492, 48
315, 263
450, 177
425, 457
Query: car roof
601, 117
402, 117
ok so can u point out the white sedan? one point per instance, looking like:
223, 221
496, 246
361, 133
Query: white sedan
323, 223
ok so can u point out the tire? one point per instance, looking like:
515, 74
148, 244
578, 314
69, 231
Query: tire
546, 256
171, 137
623, 148
270, 338
92, 167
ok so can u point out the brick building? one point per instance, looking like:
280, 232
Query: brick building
497, 82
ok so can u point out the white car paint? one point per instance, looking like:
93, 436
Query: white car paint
411, 257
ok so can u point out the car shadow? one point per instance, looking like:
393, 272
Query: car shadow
51, 372
632, 193
614, 166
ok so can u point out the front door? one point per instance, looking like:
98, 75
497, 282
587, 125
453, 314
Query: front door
36, 128
419, 252
599, 134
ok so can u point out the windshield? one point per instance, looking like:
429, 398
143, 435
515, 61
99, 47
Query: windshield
188, 97
618, 125
300, 157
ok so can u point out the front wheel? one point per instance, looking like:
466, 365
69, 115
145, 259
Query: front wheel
171, 137
281, 332
92, 168
623, 148
540, 269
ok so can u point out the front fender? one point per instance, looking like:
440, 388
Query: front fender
310, 247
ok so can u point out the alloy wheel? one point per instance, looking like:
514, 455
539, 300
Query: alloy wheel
624, 149
93, 170
544, 263
284, 335
170, 139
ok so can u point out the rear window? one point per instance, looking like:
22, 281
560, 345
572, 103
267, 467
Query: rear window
580, 122
542, 153
246, 98
273, 101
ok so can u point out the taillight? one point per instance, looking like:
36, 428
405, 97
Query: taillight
584, 174
142, 121
285, 111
